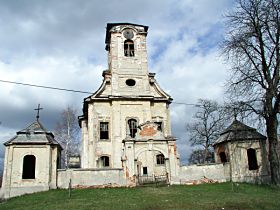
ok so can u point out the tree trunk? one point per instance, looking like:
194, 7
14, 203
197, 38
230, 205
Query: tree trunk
68, 141
205, 154
271, 124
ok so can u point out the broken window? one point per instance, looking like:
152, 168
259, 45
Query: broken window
159, 128
160, 159
145, 171
105, 161
104, 130
129, 48
252, 159
132, 126
28, 171
223, 157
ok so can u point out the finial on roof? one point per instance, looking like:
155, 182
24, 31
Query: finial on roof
38, 112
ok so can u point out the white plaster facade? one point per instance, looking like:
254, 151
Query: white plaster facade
244, 150
36, 142
116, 102
82, 178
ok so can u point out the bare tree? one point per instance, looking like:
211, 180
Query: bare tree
67, 133
207, 125
197, 156
252, 45
238, 110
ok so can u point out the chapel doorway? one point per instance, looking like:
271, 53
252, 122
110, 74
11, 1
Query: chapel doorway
29, 162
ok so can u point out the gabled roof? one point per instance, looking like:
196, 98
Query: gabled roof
33, 134
238, 131
34, 127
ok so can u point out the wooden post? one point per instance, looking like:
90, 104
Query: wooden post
69, 189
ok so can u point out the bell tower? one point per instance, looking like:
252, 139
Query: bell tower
127, 58
126, 122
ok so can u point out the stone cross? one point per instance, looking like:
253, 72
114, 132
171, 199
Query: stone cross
38, 112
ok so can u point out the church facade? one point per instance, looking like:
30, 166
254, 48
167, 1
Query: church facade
126, 122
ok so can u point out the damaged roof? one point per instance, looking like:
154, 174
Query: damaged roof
33, 134
111, 25
238, 131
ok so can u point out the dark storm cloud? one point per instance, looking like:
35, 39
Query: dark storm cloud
50, 27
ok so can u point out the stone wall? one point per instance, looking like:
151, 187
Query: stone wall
195, 174
83, 178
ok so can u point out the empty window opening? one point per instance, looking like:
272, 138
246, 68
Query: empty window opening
223, 157
145, 171
104, 130
159, 128
160, 159
132, 125
58, 162
130, 82
105, 161
129, 48
252, 159
29, 162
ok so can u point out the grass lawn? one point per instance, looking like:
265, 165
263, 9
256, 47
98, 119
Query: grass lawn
206, 196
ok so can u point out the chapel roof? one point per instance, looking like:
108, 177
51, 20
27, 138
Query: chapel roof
238, 131
35, 133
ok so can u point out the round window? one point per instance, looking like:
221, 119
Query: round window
130, 82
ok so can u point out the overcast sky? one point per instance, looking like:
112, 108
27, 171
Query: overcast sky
61, 44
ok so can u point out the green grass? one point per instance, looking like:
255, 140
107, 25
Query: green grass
207, 196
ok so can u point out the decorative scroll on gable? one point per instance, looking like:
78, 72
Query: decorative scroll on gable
149, 130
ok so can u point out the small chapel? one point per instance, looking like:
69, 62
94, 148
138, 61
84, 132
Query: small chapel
126, 135
32, 158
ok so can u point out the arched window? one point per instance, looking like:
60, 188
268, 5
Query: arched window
160, 159
252, 159
29, 163
105, 161
128, 48
223, 157
132, 126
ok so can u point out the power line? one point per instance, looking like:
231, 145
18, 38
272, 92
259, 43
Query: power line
182, 103
47, 87
72, 90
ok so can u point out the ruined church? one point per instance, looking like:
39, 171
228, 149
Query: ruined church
126, 134
126, 122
